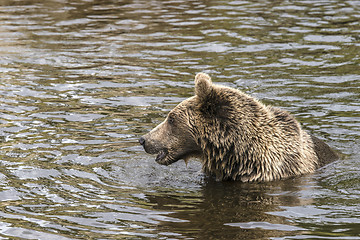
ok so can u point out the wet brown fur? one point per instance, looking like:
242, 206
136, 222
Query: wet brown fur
236, 137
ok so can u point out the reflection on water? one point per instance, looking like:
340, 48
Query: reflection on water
81, 80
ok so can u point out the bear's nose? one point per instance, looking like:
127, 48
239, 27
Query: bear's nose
142, 141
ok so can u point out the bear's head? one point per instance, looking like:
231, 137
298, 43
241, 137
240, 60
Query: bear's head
177, 136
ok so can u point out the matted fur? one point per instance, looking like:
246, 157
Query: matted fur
235, 136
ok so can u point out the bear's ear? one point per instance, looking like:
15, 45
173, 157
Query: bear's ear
203, 85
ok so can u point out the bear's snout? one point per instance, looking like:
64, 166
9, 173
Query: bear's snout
149, 145
142, 141
152, 147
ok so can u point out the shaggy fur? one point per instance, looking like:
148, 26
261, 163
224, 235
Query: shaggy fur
236, 137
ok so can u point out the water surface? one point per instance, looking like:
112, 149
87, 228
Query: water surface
80, 81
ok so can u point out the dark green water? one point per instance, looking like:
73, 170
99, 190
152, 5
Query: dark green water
80, 81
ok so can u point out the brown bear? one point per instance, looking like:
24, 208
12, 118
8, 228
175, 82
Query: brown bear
235, 136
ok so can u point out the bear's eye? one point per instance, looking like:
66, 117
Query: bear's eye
171, 119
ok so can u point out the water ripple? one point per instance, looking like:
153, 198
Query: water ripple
81, 81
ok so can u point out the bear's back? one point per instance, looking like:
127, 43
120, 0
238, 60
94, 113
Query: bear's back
323, 152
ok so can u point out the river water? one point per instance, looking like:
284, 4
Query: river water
80, 81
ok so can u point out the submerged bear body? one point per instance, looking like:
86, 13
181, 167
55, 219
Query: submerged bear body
235, 136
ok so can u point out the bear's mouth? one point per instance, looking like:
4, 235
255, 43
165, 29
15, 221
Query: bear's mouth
161, 156
164, 158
